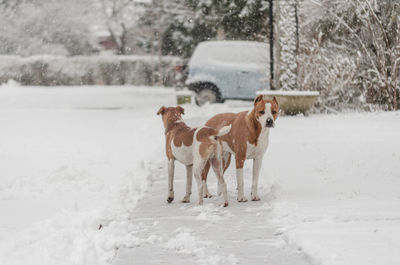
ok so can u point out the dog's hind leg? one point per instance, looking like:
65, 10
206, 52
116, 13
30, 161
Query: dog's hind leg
226, 160
197, 169
199, 187
189, 174
171, 170
206, 193
217, 167
204, 174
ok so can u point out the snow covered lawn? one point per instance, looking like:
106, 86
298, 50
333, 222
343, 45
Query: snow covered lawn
337, 186
75, 158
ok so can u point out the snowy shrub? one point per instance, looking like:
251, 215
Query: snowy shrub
88, 70
361, 35
331, 73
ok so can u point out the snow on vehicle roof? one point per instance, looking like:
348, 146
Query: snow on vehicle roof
234, 43
288, 93
249, 53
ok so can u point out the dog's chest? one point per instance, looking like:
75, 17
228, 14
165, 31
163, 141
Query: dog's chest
254, 151
183, 153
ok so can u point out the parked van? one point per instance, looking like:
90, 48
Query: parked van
220, 70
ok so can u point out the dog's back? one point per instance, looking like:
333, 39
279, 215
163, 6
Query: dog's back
180, 144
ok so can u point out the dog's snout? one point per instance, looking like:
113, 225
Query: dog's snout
270, 122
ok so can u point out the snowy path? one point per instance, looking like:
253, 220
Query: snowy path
179, 233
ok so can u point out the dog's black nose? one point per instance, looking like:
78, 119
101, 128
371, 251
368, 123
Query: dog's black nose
270, 122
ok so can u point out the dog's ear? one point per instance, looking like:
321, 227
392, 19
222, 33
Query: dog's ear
181, 110
161, 110
258, 98
275, 100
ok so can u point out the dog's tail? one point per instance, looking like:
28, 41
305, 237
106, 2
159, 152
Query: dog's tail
224, 130
217, 144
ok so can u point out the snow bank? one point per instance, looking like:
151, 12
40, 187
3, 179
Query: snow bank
88, 70
75, 161
84, 97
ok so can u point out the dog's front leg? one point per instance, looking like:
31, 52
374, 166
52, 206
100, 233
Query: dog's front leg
189, 174
171, 169
240, 185
256, 173
239, 178
217, 166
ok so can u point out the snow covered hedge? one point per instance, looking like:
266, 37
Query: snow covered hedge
89, 70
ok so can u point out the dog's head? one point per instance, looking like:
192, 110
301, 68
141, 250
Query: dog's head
170, 114
266, 111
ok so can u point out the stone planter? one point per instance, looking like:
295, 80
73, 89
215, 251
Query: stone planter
184, 97
292, 102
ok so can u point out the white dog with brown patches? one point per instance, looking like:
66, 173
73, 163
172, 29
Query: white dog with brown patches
193, 147
248, 139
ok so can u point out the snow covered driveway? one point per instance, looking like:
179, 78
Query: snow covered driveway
76, 159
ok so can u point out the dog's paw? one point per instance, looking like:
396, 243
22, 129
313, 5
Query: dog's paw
200, 203
255, 198
242, 199
207, 195
185, 199
170, 199
225, 204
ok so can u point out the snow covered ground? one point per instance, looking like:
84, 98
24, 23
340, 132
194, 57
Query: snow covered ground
76, 159
337, 186
72, 159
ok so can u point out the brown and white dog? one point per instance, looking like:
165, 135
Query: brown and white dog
248, 139
193, 147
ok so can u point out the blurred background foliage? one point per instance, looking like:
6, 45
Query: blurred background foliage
349, 50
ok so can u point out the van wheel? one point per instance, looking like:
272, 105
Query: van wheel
205, 95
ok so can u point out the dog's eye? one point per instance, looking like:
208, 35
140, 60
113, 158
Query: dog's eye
273, 112
262, 112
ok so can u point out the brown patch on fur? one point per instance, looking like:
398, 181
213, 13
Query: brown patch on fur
221, 120
175, 129
204, 133
185, 136
207, 145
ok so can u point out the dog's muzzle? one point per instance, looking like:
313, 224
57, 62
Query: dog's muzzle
269, 123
